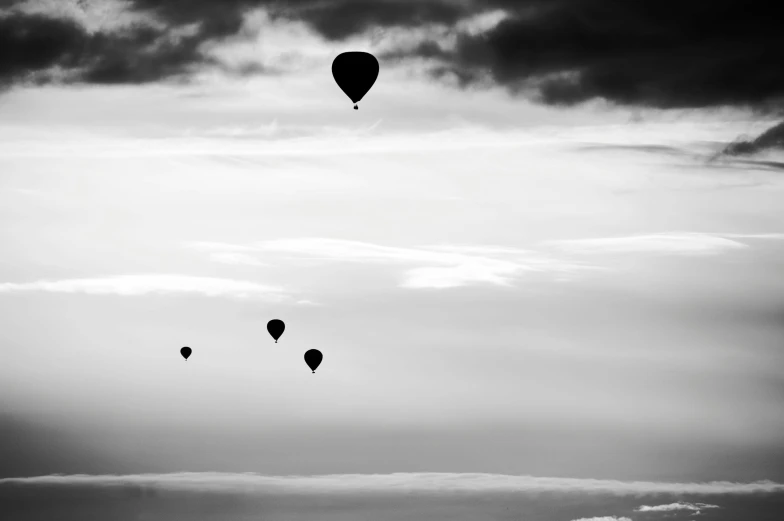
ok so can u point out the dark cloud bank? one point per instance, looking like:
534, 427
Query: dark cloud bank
650, 53
135, 499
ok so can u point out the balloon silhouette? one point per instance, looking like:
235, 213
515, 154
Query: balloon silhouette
313, 359
276, 328
355, 73
186, 352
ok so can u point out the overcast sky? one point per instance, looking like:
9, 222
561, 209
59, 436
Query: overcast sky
500, 280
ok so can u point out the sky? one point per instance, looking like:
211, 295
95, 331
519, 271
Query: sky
510, 268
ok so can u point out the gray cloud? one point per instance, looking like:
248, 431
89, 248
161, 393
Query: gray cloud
658, 53
441, 267
673, 243
45, 43
145, 284
398, 483
604, 518
672, 507
771, 139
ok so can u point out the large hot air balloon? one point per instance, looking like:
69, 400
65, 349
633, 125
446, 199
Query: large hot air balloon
186, 352
313, 358
276, 328
355, 72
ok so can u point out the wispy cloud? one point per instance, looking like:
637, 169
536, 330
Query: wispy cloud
219, 247
672, 507
676, 243
604, 518
144, 284
773, 236
236, 259
399, 483
444, 266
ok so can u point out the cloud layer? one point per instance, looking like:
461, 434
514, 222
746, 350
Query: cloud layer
399, 483
444, 266
145, 284
604, 518
662, 243
672, 507
674, 243
659, 53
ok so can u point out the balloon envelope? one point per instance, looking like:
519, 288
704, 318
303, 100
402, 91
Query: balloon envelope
313, 359
355, 73
276, 328
186, 352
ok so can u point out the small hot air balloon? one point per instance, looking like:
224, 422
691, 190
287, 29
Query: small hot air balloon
313, 359
275, 328
186, 352
355, 72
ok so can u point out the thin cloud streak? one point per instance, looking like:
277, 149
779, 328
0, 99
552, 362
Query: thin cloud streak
676, 243
145, 284
672, 507
604, 518
398, 483
320, 141
236, 259
454, 266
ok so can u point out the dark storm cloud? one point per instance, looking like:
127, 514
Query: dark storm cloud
31, 45
657, 53
333, 19
342, 19
771, 139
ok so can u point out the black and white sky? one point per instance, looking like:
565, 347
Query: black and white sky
525, 258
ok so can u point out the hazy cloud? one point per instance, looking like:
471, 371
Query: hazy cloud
678, 243
445, 266
144, 284
672, 507
771, 139
673, 243
604, 518
151, 40
236, 259
660, 53
398, 483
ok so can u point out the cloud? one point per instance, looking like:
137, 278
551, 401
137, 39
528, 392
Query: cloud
145, 284
658, 53
236, 259
218, 247
679, 243
771, 139
340, 19
673, 243
141, 41
773, 236
672, 507
445, 266
93, 15
47, 48
604, 518
398, 483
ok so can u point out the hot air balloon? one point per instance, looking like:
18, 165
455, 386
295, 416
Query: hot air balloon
186, 352
355, 73
313, 359
276, 328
